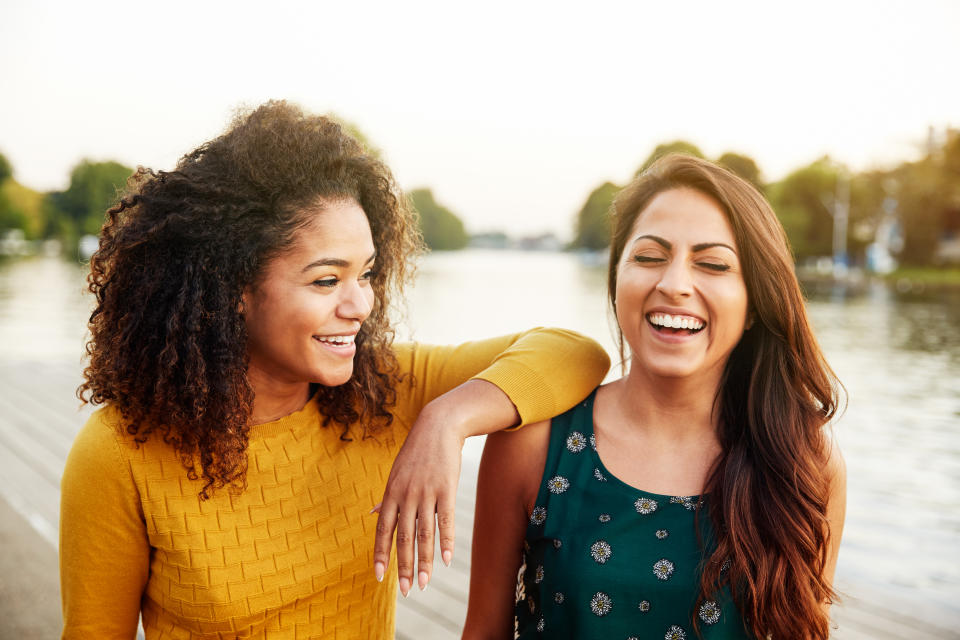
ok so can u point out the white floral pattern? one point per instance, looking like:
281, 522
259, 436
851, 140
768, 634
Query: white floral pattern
675, 633
604, 517
644, 606
558, 484
709, 612
540, 624
601, 604
593, 442
539, 515
662, 534
556, 543
599, 475
600, 551
576, 442
645, 506
558, 597
688, 502
663, 569
538, 576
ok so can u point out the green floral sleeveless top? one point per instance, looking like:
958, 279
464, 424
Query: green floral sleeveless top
605, 560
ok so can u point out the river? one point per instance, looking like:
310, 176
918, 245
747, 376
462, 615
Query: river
898, 355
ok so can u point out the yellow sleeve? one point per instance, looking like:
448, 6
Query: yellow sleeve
104, 551
544, 372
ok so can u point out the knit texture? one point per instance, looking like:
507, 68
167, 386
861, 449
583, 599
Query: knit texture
292, 555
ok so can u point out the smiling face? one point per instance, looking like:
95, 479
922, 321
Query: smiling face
681, 299
308, 305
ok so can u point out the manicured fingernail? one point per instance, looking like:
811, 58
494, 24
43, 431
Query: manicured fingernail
404, 586
422, 580
447, 557
378, 571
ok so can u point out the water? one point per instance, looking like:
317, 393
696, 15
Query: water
898, 356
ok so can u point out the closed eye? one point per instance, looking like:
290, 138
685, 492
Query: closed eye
714, 266
647, 259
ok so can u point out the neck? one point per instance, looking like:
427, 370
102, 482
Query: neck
674, 407
274, 399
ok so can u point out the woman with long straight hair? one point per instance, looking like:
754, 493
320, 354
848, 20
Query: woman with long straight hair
699, 495
254, 401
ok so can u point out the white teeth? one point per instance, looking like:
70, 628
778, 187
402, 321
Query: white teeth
336, 339
675, 322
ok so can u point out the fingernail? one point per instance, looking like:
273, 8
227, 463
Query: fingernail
404, 586
378, 571
422, 579
447, 557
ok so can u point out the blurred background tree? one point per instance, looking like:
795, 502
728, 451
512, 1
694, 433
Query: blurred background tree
19, 206
677, 146
81, 209
801, 202
441, 228
592, 228
744, 166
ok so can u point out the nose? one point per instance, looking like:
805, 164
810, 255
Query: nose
676, 281
356, 301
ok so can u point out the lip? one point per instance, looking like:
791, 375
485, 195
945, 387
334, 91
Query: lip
673, 338
343, 350
676, 311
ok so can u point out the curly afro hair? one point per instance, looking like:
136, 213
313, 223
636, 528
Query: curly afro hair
168, 343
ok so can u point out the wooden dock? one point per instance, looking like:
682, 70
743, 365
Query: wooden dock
39, 417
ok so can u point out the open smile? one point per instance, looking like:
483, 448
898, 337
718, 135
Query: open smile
677, 325
344, 345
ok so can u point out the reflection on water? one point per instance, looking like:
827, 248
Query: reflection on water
898, 356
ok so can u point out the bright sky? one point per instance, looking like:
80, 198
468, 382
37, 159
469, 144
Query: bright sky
512, 112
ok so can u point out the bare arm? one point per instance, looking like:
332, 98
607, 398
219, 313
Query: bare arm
510, 473
435, 443
517, 379
836, 508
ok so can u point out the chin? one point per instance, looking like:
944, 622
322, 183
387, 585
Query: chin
331, 379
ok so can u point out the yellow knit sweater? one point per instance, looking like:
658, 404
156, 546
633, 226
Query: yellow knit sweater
292, 556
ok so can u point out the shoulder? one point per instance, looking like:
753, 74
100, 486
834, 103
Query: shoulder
100, 436
99, 461
834, 464
103, 446
835, 468
518, 459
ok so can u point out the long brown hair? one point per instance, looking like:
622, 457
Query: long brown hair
168, 342
767, 491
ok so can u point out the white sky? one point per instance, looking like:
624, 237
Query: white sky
512, 112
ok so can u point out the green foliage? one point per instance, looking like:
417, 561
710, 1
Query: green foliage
593, 221
94, 188
6, 169
743, 166
800, 201
21, 208
677, 146
441, 228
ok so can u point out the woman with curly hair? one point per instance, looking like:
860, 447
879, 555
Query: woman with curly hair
254, 402
698, 495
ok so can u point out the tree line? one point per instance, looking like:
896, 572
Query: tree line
94, 187
917, 202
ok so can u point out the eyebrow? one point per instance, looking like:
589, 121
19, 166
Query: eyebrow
666, 244
335, 262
